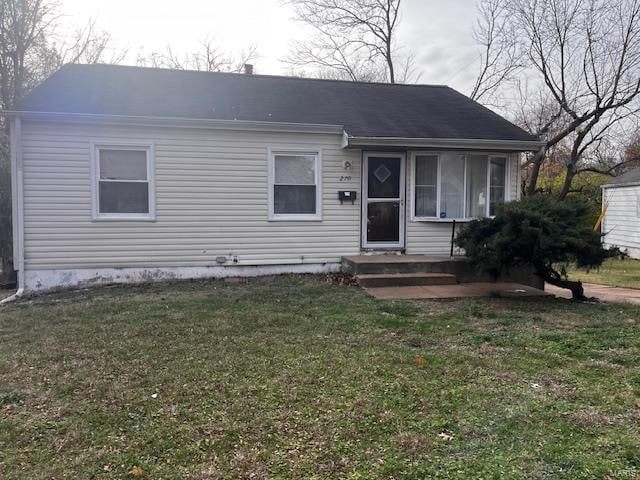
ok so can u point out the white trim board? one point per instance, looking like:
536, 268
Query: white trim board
446, 143
619, 185
46, 280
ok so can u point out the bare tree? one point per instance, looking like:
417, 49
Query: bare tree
89, 45
632, 148
499, 60
208, 58
354, 38
583, 59
327, 58
23, 28
29, 53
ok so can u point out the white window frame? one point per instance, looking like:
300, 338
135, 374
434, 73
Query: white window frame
439, 155
299, 217
149, 148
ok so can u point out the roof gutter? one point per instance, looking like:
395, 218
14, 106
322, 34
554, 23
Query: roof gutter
182, 122
616, 185
452, 143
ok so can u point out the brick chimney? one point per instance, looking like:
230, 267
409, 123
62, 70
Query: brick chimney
248, 69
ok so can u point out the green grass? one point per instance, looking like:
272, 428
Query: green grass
618, 273
6, 293
299, 378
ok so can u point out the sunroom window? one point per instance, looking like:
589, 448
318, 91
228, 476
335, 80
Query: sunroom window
426, 185
497, 185
452, 188
458, 186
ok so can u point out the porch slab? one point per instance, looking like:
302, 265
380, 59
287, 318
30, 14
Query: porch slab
461, 267
461, 290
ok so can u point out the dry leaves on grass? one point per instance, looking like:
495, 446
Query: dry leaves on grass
341, 279
136, 471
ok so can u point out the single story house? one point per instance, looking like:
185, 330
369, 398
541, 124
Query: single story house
621, 205
125, 174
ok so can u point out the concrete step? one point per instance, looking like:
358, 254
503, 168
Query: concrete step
388, 264
405, 279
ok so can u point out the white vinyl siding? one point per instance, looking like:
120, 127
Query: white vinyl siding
621, 224
211, 199
211, 189
434, 237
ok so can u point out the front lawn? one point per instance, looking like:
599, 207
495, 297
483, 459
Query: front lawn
614, 272
5, 293
299, 378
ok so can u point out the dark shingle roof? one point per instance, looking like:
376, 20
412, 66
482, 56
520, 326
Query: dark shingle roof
629, 178
364, 109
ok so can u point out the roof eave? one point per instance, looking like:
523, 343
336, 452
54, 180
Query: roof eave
471, 143
616, 185
178, 122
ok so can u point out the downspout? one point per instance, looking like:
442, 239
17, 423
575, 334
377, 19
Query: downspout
17, 205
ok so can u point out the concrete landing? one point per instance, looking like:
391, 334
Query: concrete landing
463, 270
405, 279
461, 290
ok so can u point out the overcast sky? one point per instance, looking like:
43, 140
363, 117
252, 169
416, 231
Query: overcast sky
439, 32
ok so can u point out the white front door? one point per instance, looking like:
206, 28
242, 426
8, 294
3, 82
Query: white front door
383, 191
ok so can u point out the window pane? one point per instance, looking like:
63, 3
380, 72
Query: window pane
426, 181
498, 178
384, 177
426, 170
123, 164
452, 188
294, 199
498, 170
426, 201
383, 222
477, 185
295, 169
124, 197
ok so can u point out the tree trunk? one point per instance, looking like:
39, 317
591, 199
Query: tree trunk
535, 171
392, 73
568, 180
554, 278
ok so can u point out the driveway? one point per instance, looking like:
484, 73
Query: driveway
603, 292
